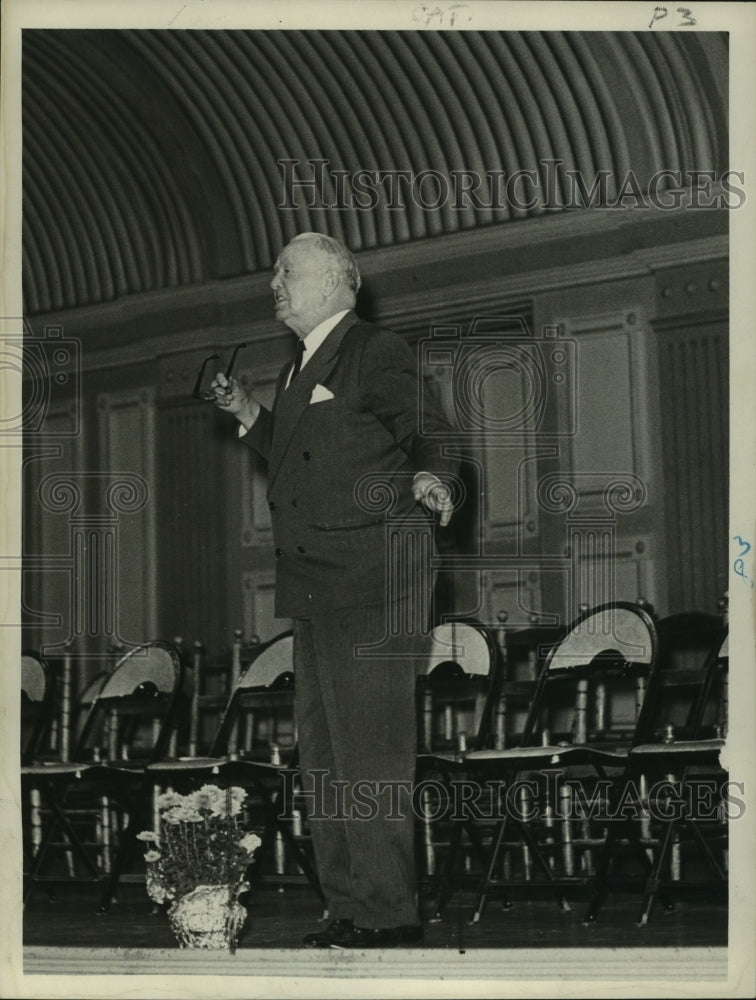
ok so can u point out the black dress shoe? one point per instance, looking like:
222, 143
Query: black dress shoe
389, 937
338, 934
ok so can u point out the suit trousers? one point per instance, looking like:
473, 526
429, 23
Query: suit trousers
357, 732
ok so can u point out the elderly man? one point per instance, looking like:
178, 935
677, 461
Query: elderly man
346, 409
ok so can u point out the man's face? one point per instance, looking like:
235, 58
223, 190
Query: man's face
298, 286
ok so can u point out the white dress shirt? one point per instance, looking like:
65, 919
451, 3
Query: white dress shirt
315, 338
312, 342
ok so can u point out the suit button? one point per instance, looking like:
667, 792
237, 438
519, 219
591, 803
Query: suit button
293, 503
300, 548
279, 553
271, 505
306, 456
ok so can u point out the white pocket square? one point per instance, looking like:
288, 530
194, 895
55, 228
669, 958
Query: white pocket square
320, 394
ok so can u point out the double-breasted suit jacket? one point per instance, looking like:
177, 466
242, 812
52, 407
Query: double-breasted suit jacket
352, 412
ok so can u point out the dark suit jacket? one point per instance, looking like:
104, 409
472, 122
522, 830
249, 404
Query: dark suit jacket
330, 549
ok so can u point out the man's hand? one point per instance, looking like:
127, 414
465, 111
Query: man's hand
231, 397
428, 490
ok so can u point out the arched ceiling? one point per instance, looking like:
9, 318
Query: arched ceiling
152, 158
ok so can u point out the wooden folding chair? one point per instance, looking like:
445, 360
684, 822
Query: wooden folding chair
456, 697
128, 724
685, 761
37, 699
255, 745
576, 723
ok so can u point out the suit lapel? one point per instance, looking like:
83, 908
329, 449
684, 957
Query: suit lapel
291, 403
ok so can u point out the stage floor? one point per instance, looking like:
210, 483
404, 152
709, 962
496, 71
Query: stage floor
531, 941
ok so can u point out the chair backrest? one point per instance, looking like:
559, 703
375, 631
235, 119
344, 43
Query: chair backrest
614, 644
36, 703
34, 674
685, 640
263, 693
272, 665
715, 667
456, 686
467, 645
132, 714
691, 696
617, 630
85, 700
526, 648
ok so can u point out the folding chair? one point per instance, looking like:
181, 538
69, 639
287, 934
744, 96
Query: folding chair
673, 715
686, 760
84, 702
577, 719
261, 682
209, 683
259, 737
255, 743
37, 700
456, 695
129, 724
37, 691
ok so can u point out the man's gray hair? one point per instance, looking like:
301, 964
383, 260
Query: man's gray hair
347, 263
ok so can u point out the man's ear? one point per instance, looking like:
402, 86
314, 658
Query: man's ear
331, 282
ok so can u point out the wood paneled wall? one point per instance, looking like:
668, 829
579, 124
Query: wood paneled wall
619, 491
693, 352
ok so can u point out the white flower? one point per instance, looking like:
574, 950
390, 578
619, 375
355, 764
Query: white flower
224, 802
235, 800
151, 856
168, 799
209, 797
182, 812
250, 842
149, 835
188, 812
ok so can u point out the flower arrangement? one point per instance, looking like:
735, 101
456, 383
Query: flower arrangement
200, 845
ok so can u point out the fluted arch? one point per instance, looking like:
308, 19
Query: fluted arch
152, 158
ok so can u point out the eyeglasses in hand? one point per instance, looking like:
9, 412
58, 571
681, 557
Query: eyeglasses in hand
211, 394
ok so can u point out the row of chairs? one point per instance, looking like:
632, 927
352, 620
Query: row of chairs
135, 741
492, 720
100, 777
546, 801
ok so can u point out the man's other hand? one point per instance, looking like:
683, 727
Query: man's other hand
428, 490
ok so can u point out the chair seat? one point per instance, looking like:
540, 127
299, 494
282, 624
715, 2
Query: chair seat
259, 767
186, 764
528, 757
444, 758
57, 769
136, 766
72, 769
680, 748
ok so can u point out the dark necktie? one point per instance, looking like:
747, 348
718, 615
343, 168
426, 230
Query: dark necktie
299, 354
